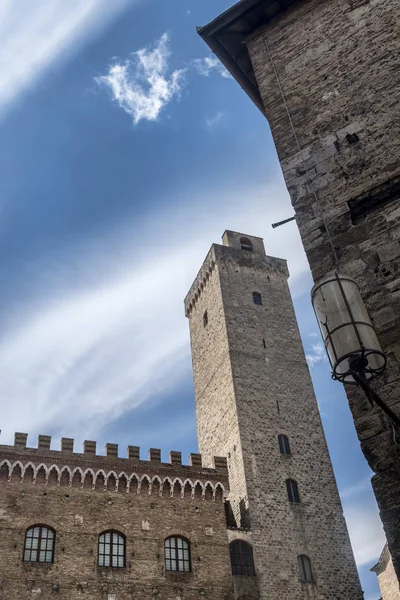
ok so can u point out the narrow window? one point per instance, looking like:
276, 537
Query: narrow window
39, 544
284, 445
177, 554
257, 298
292, 490
242, 562
111, 549
246, 244
264, 344
305, 570
205, 319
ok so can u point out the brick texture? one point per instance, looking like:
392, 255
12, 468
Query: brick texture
329, 75
252, 383
78, 496
387, 578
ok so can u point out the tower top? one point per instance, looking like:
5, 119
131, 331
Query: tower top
242, 241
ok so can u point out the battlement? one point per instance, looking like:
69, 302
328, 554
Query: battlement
231, 251
42, 465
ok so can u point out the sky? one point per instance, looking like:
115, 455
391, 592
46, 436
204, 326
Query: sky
126, 151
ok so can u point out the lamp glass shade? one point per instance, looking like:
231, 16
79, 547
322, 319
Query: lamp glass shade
346, 328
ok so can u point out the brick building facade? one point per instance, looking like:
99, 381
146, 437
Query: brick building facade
326, 74
262, 521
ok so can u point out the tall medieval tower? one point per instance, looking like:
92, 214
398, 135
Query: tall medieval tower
256, 405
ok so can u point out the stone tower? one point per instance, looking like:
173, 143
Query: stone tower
326, 75
252, 384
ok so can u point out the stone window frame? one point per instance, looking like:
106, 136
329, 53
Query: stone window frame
293, 491
246, 244
305, 568
177, 564
284, 444
117, 540
45, 534
242, 559
257, 299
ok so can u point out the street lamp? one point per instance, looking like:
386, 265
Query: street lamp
353, 348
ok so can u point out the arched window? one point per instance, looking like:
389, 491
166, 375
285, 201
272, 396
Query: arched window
246, 244
242, 562
305, 570
39, 544
292, 490
284, 445
257, 298
177, 554
205, 319
111, 550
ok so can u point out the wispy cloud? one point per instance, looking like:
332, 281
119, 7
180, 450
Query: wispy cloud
210, 64
36, 34
215, 120
316, 355
76, 359
141, 84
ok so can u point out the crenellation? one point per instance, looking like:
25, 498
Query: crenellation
89, 447
67, 444
195, 460
154, 455
175, 458
133, 452
44, 442
20, 439
112, 450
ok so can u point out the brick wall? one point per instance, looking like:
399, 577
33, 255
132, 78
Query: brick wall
329, 75
153, 501
252, 383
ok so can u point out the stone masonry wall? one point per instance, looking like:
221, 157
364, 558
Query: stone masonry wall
250, 373
389, 583
78, 496
329, 76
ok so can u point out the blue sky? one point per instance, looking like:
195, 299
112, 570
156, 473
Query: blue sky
126, 151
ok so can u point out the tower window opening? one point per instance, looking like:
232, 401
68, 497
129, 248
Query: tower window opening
246, 244
264, 344
257, 298
205, 319
242, 562
284, 445
292, 491
305, 570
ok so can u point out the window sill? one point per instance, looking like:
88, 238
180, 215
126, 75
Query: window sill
41, 565
179, 575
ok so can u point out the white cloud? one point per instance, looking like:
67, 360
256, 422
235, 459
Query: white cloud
215, 120
316, 355
35, 34
75, 360
140, 84
210, 64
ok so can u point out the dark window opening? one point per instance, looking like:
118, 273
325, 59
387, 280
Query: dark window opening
39, 544
242, 562
246, 244
111, 550
292, 491
205, 319
374, 199
229, 516
257, 298
305, 570
177, 554
284, 445
264, 344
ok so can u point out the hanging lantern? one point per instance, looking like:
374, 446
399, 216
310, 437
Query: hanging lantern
349, 337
